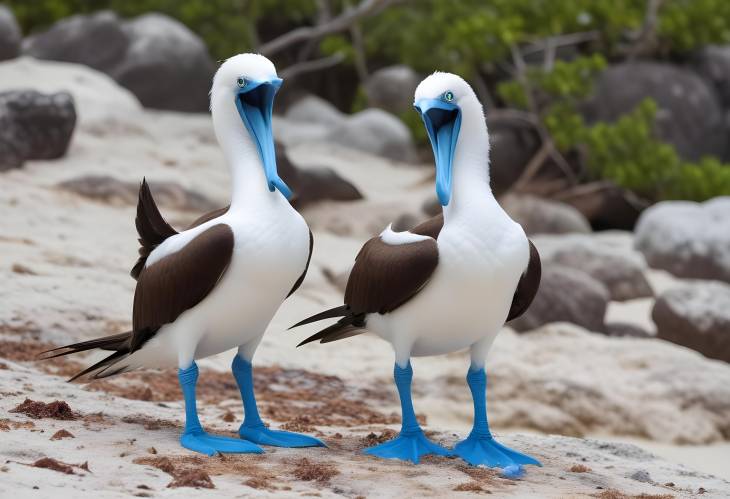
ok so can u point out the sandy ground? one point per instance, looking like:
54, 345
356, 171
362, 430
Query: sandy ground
65, 263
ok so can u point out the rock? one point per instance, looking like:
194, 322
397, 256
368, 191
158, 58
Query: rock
541, 216
713, 63
166, 66
10, 34
624, 329
313, 184
34, 126
312, 109
160, 60
623, 278
97, 40
511, 148
696, 316
392, 88
98, 99
107, 189
377, 132
608, 207
563, 379
566, 295
687, 239
690, 116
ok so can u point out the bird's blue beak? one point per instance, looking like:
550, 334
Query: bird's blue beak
255, 103
443, 122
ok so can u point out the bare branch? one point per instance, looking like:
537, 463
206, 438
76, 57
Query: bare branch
521, 76
560, 41
645, 39
309, 66
335, 25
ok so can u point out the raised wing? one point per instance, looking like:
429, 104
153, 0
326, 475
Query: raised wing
152, 229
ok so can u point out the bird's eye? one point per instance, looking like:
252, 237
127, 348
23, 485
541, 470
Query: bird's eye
448, 96
241, 82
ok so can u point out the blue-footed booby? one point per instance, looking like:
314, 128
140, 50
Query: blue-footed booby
217, 285
448, 284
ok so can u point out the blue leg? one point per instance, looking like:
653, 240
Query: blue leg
480, 448
193, 437
411, 443
253, 429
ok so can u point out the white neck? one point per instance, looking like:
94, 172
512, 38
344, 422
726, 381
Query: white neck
248, 180
470, 190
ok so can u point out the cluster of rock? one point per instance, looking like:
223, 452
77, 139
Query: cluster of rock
373, 130
161, 61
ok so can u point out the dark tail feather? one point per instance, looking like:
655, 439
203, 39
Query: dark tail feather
348, 326
115, 342
118, 343
103, 364
340, 311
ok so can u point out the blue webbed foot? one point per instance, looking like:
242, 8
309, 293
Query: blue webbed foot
484, 450
408, 446
262, 435
211, 445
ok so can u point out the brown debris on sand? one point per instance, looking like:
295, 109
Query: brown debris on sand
57, 409
308, 471
373, 439
470, 487
228, 417
61, 434
300, 424
192, 478
185, 477
53, 464
149, 423
579, 468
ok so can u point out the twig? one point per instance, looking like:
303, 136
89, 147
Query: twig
646, 38
340, 23
560, 41
521, 76
309, 66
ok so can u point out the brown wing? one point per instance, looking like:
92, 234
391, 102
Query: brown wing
209, 216
152, 229
386, 276
431, 227
179, 281
528, 285
306, 267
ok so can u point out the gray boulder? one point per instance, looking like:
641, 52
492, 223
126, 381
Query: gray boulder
392, 88
166, 66
541, 216
511, 148
686, 238
160, 60
566, 295
713, 63
623, 277
10, 35
96, 40
696, 316
34, 126
377, 132
312, 109
313, 184
690, 117
106, 189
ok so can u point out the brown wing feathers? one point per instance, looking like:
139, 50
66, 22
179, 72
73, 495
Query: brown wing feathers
151, 227
527, 286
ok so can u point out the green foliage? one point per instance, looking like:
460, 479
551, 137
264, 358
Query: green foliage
685, 25
626, 151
